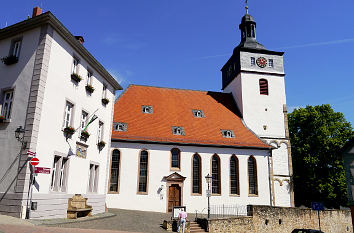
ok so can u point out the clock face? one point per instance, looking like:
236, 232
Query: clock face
261, 62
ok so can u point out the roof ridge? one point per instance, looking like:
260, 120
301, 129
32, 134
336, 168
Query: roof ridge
172, 88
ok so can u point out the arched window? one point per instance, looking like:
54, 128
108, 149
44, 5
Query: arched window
263, 87
196, 173
175, 158
115, 166
234, 176
215, 173
143, 171
252, 176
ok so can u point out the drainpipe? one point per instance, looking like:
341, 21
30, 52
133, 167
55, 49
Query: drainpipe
270, 184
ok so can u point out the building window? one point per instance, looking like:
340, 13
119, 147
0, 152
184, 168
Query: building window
93, 178
143, 172
7, 104
234, 176
100, 131
252, 176
68, 114
253, 61
115, 168
81, 150
226, 133
177, 130
84, 116
175, 158
198, 113
196, 173
89, 77
146, 109
75, 66
15, 48
104, 92
59, 174
120, 126
263, 86
270, 63
215, 174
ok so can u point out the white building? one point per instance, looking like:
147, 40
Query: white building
41, 92
165, 140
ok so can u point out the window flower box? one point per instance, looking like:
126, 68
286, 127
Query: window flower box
101, 144
77, 78
85, 135
90, 89
105, 101
2, 119
69, 131
9, 60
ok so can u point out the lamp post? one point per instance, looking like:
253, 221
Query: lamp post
19, 133
348, 156
208, 180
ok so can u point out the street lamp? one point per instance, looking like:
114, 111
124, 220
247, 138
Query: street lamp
19, 133
208, 180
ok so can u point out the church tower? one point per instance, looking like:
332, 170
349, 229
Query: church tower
255, 77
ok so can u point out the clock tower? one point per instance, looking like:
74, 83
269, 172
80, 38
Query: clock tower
255, 77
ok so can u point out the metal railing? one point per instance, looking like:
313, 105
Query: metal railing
223, 211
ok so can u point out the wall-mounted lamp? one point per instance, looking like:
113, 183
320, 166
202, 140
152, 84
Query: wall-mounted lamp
19, 133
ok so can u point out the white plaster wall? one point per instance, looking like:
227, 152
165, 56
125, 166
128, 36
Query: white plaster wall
235, 87
282, 193
159, 166
59, 88
280, 159
245, 60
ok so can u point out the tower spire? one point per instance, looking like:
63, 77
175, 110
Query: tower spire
246, 7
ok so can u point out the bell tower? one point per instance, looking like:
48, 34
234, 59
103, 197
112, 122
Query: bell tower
255, 77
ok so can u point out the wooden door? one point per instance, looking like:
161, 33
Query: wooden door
174, 196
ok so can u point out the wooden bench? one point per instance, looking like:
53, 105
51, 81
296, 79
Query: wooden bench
77, 207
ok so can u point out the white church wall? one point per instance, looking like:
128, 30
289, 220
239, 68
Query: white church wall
281, 160
159, 166
235, 87
282, 192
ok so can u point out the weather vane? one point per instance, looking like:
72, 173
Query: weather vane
246, 7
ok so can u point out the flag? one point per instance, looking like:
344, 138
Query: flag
94, 117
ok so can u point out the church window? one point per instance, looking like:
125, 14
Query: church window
263, 86
143, 171
175, 158
146, 109
196, 173
270, 63
252, 176
177, 130
215, 173
226, 133
120, 126
253, 61
234, 176
115, 168
198, 113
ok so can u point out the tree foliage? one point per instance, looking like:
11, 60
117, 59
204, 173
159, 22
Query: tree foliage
317, 135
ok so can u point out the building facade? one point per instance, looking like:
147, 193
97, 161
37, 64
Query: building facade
165, 141
62, 97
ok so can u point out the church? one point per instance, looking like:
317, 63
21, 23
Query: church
165, 141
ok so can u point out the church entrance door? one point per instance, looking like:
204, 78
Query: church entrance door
174, 196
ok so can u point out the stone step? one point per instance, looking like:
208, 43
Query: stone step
195, 228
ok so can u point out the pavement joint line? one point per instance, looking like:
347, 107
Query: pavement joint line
56, 221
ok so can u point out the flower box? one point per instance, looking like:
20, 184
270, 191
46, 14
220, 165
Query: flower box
101, 144
9, 60
105, 101
85, 134
69, 130
77, 78
2, 119
90, 89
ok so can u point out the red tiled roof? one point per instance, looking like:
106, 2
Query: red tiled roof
173, 107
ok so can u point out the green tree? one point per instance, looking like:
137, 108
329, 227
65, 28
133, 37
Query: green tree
317, 135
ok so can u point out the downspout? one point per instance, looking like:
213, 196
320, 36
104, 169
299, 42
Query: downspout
270, 179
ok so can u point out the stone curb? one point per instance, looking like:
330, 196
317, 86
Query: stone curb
56, 221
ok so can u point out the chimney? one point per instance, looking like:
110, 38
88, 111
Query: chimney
36, 11
80, 39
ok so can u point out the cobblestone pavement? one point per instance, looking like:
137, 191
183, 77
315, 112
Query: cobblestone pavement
125, 220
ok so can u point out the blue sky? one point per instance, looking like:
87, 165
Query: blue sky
184, 43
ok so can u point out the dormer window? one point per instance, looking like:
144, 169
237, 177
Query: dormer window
146, 109
120, 126
253, 61
226, 133
177, 130
198, 113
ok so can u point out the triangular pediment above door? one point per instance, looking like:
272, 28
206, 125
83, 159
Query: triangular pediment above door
175, 177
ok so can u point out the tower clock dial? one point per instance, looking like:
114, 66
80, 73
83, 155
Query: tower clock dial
261, 62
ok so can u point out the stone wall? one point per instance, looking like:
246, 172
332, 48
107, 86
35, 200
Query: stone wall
266, 219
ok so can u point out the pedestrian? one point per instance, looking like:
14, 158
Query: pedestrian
182, 218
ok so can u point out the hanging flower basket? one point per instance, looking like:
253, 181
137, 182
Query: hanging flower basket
85, 135
90, 89
77, 78
69, 131
105, 101
9, 60
101, 144
2, 119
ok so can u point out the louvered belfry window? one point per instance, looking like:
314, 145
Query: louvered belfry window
252, 176
263, 87
196, 174
234, 174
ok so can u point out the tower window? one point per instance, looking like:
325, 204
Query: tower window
120, 126
177, 130
270, 63
253, 61
198, 113
263, 87
146, 109
227, 133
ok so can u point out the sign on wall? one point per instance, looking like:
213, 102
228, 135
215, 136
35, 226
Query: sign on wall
43, 170
176, 210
